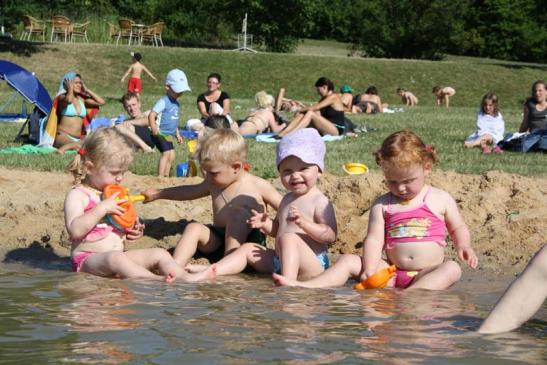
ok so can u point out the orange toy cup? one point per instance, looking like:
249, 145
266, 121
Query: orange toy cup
129, 217
378, 280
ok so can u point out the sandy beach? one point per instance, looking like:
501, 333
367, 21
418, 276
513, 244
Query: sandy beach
506, 213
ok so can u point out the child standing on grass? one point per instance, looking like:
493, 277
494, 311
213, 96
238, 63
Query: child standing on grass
98, 247
409, 224
490, 126
305, 223
443, 94
408, 98
136, 69
169, 109
234, 193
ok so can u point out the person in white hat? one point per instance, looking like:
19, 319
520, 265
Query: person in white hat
169, 110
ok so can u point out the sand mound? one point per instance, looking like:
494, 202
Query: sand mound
506, 213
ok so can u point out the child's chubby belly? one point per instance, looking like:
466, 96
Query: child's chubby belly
237, 211
416, 255
112, 242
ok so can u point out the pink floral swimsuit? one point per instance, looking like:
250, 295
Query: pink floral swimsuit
414, 225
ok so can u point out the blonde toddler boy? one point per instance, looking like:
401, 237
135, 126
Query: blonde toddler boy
234, 193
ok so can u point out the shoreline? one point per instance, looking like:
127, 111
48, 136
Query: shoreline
505, 213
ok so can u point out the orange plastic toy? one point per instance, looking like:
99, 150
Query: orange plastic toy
378, 280
129, 217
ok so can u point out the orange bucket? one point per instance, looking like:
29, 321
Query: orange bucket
129, 217
377, 280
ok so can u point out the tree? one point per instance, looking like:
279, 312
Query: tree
406, 29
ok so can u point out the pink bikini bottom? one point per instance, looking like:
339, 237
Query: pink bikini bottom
404, 278
78, 260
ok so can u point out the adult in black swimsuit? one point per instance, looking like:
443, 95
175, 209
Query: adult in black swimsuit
213, 95
327, 116
535, 109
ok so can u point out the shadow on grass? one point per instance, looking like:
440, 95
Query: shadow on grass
21, 48
39, 255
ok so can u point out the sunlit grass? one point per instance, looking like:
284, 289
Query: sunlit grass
244, 74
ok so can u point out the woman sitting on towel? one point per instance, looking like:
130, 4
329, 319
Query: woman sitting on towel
261, 119
73, 101
327, 116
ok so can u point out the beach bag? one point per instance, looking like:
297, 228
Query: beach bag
34, 122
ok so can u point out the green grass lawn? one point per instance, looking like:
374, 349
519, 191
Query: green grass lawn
244, 74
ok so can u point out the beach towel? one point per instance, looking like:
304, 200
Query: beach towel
268, 137
28, 149
47, 137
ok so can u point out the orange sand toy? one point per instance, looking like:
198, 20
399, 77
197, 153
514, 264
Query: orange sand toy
378, 280
129, 217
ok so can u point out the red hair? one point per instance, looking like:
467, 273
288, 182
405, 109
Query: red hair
403, 149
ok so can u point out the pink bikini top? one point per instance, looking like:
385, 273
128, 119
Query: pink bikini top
417, 224
101, 230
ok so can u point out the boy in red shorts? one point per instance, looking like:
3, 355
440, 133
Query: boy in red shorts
136, 68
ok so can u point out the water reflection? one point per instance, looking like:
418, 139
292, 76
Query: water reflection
66, 318
97, 305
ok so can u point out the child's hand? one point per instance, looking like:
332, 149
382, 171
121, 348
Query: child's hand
257, 220
112, 205
150, 195
179, 139
295, 216
136, 232
467, 254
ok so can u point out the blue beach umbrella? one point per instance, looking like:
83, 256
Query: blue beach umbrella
26, 84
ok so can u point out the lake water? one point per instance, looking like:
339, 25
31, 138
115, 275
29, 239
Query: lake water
57, 317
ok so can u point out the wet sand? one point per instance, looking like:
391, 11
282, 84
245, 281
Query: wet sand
506, 213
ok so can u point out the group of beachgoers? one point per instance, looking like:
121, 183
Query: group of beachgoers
159, 127
407, 225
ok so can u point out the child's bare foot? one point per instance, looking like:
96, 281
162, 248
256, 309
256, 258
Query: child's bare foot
170, 278
194, 268
280, 280
208, 274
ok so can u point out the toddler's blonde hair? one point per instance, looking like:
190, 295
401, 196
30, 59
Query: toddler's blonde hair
105, 146
263, 99
403, 149
222, 145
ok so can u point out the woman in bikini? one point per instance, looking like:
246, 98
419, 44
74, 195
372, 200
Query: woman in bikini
262, 118
74, 99
327, 116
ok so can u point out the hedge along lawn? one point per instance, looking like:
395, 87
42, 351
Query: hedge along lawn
244, 74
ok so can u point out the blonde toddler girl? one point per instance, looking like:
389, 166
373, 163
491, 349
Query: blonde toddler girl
97, 246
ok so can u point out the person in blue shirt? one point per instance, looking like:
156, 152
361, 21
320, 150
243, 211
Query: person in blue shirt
168, 110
